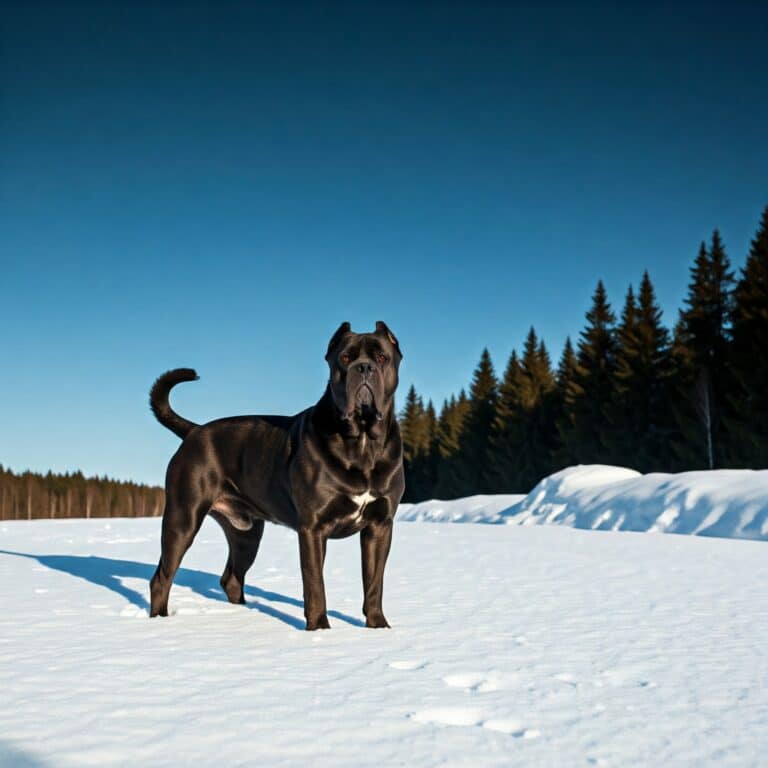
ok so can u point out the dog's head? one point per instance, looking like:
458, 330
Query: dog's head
363, 370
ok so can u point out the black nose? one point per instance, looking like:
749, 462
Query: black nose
365, 368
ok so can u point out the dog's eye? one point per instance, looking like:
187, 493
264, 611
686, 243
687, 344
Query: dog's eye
345, 358
381, 358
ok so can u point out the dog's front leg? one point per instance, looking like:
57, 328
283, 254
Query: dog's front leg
375, 541
312, 553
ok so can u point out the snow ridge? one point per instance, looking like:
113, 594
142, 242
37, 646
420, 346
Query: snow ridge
728, 503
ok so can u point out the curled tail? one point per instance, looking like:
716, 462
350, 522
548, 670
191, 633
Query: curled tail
161, 407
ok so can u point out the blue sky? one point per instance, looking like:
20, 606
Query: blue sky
220, 186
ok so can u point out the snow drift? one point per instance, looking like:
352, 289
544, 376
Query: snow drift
730, 503
472, 509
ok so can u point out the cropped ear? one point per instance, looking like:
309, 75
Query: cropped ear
344, 328
381, 327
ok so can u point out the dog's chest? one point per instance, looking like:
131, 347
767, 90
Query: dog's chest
362, 500
350, 513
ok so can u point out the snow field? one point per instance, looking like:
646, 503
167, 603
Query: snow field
510, 646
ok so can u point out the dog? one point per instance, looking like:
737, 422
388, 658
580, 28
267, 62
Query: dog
331, 471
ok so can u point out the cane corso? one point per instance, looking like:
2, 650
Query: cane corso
331, 471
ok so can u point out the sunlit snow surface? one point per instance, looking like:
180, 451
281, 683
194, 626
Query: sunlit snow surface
729, 503
511, 645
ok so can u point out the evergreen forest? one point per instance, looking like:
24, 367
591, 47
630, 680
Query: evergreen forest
630, 391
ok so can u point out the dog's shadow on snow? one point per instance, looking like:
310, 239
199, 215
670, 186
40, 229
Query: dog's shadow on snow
109, 572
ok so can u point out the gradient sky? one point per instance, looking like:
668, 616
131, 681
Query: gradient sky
220, 186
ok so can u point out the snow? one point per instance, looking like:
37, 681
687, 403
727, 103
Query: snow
511, 646
472, 509
729, 503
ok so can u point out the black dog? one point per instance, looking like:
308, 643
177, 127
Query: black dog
331, 471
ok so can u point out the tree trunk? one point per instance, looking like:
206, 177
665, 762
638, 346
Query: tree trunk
704, 408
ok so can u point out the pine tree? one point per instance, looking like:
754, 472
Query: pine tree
430, 419
450, 424
424, 466
505, 435
749, 399
627, 330
591, 389
414, 430
566, 390
537, 368
411, 426
537, 431
701, 352
450, 432
641, 422
622, 430
471, 466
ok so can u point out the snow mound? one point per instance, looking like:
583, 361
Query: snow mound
472, 509
729, 503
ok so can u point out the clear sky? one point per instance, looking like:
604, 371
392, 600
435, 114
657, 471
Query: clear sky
219, 186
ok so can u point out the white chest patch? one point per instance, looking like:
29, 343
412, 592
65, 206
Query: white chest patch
362, 500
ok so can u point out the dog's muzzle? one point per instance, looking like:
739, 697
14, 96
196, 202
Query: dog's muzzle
363, 405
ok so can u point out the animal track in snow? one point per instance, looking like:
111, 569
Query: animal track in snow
407, 665
512, 727
471, 681
625, 677
471, 716
449, 716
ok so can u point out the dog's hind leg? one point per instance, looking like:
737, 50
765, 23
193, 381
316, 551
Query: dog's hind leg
243, 548
179, 529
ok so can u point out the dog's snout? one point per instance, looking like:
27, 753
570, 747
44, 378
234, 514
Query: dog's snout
366, 369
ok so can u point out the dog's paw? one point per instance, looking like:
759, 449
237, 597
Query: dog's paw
319, 623
376, 622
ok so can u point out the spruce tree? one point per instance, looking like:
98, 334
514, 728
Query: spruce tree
430, 421
537, 431
415, 437
701, 352
450, 432
450, 424
654, 372
411, 425
748, 421
622, 432
471, 466
566, 368
537, 368
566, 389
423, 469
627, 329
591, 389
641, 422
505, 436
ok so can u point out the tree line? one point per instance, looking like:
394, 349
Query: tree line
632, 392
30, 495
